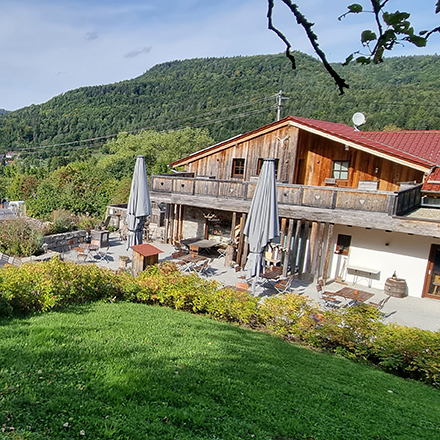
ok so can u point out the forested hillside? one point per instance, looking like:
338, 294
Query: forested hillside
402, 92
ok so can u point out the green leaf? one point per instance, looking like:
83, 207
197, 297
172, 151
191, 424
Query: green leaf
348, 60
367, 36
416, 40
395, 18
363, 60
356, 8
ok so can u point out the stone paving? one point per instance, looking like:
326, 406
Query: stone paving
423, 313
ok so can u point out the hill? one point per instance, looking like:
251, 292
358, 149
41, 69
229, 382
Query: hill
401, 92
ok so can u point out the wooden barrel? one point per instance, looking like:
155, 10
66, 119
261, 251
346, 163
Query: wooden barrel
395, 287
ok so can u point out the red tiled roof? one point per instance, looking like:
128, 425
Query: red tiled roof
146, 250
385, 142
418, 147
432, 183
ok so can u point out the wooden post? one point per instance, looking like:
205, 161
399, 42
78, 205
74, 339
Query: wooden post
167, 224
172, 207
233, 223
244, 255
294, 253
241, 239
320, 245
288, 244
283, 230
329, 240
303, 249
311, 255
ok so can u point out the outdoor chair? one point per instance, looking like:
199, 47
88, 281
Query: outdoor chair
379, 305
81, 255
103, 254
326, 300
284, 286
204, 268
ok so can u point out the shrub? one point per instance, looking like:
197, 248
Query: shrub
19, 238
350, 331
290, 315
408, 352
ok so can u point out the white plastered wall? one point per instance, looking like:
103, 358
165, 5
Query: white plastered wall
389, 252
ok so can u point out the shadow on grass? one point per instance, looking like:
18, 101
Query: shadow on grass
134, 372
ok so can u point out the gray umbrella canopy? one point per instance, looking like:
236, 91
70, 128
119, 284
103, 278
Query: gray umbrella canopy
139, 205
262, 224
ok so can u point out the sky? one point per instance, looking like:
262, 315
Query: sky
48, 47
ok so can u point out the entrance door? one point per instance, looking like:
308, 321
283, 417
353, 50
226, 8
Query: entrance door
432, 279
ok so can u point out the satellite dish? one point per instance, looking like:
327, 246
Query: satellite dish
358, 119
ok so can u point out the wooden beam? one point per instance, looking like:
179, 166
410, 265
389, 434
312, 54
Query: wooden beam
295, 249
328, 243
320, 244
283, 230
233, 224
167, 224
241, 238
287, 245
311, 255
303, 249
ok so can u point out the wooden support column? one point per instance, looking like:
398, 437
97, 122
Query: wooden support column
303, 250
295, 248
241, 238
172, 218
320, 245
181, 213
245, 254
283, 230
288, 244
233, 224
312, 253
167, 224
328, 244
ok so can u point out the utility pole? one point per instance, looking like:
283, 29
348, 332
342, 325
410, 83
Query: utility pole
280, 98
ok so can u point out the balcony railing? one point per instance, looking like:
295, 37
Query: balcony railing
391, 203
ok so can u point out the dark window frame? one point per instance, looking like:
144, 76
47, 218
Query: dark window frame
238, 167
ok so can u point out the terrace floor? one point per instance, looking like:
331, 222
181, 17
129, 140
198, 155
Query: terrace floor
423, 313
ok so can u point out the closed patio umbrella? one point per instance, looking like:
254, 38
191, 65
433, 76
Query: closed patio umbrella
139, 205
262, 224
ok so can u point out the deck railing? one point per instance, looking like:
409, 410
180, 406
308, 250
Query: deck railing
392, 203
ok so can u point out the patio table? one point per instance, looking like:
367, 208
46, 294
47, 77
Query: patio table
353, 294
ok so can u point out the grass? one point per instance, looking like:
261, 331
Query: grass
130, 371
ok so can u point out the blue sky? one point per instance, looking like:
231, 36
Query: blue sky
48, 47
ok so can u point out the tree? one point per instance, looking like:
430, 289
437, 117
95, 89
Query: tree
391, 28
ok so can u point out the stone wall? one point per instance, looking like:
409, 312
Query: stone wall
63, 242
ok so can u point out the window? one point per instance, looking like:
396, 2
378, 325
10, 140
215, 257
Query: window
340, 169
343, 244
260, 164
238, 168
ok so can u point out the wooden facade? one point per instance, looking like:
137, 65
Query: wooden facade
303, 158
324, 179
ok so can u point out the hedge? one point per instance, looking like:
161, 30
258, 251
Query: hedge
355, 332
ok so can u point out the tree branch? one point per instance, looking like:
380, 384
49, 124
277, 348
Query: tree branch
307, 26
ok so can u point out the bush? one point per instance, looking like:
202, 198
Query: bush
290, 315
19, 239
408, 352
350, 331
354, 332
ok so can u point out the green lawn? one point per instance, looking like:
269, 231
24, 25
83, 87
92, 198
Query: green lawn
130, 371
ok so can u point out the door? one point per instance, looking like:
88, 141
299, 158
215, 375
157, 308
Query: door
432, 279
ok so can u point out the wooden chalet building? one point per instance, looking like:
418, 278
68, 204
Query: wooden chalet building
351, 203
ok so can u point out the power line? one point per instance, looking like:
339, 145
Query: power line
168, 123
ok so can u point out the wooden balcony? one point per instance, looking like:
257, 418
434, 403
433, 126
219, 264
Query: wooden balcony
299, 195
328, 204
